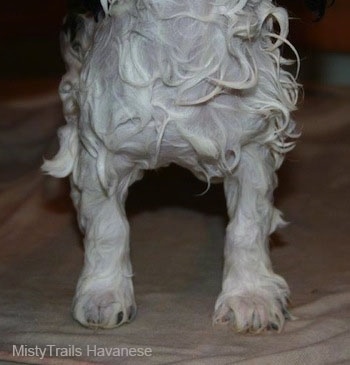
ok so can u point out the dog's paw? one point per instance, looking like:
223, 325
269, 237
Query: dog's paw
251, 312
103, 309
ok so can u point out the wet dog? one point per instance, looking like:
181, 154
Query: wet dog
198, 83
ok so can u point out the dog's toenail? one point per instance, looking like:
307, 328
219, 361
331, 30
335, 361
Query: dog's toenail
132, 313
120, 317
272, 326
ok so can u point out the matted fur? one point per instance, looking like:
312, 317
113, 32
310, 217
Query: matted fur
198, 83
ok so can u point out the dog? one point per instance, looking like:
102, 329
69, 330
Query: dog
198, 83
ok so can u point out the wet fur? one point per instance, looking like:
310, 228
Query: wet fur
198, 83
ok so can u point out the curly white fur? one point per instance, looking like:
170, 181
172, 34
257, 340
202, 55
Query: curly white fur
198, 83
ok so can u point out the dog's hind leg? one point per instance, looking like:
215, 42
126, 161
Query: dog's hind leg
253, 297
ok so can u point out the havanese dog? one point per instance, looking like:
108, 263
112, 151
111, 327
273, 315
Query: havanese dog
199, 83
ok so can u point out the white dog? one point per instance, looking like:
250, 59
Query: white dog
200, 83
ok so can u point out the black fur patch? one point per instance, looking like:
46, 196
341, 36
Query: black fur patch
72, 24
318, 7
87, 7
93, 6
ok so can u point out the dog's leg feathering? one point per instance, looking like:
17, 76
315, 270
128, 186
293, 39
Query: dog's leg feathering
253, 297
104, 295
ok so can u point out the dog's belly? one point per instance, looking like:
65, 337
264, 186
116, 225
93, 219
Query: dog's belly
153, 148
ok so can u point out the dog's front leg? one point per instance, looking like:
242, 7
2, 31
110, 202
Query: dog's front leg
253, 297
104, 295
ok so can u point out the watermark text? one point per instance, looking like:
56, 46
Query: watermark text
78, 351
